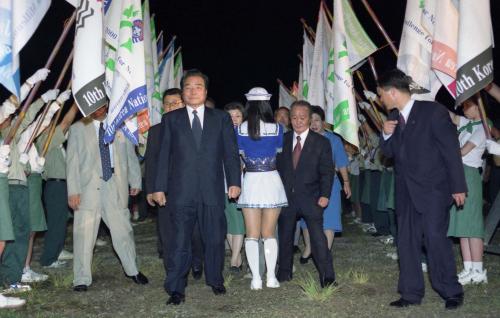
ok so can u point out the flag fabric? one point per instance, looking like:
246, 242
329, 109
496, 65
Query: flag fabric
159, 42
88, 65
445, 44
18, 21
300, 85
319, 66
359, 44
143, 120
285, 98
415, 48
156, 107
166, 70
475, 49
341, 108
128, 90
178, 70
307, 57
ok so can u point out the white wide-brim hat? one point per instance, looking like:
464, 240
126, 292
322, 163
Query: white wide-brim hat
258, 93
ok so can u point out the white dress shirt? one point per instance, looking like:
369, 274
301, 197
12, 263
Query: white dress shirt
97, 124
200, 113
405, 112
303, 137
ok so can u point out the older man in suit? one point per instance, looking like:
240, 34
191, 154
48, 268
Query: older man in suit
98, 178
421, 138
198, 146
307, 170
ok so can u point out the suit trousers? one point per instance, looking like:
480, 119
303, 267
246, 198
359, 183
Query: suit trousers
56, 205
424, 229
313, 215
86, 226
212, 224
14, 254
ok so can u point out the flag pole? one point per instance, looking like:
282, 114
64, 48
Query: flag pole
52, 128
309, 30
380, 27
167, 48
46, 109
360, 77
300, 58
484, 118
48, 64
159, 36
284, 86
177, 51
370, 114
328, 12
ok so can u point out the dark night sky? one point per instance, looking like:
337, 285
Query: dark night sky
238, 44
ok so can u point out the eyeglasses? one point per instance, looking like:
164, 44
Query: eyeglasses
173, 103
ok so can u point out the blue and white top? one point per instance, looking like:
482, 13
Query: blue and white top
260, 155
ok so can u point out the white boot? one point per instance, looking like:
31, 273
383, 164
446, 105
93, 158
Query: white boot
252, 251
11, 302
271, 254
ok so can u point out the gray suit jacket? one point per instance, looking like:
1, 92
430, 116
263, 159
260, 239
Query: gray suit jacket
84, 171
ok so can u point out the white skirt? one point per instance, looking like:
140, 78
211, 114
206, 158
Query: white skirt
262, 190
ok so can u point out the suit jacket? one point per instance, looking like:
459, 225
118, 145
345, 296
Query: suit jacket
188, 175
84, 170
313, 177
151, 156
427, 158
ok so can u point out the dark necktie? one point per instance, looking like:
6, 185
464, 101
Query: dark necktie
105, 156
401, 122
196, 128
296, 153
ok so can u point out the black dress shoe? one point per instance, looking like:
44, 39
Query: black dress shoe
296, 249
305, 260
283, 278
139, 279
80, 288
197, 273
328, 282
454, 302
176, 299
219, 290
401, 302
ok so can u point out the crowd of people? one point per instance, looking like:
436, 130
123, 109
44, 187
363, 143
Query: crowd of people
250, 178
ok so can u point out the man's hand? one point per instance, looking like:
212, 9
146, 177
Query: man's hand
74, 201
134, 192
323, 202
459, 199
233, 192
160, 198
390, 126
149, 198
347, 190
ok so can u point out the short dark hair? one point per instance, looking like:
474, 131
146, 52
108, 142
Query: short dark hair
281, 108
318, 111
301, 103
172, 91
235, 106
192, 73
396, 79
210, 100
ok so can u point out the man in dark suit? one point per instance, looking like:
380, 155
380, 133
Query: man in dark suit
307, 170
198, 146
421, 138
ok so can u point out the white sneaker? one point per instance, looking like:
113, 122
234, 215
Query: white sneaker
474, 277
394, 256
256, 284
100, 242
11, 302
56, 264
30, 276
272, 283
424, 267
387, 240
463, 273
17, 288
65, 255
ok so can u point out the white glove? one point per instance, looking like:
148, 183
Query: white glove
493, 147
36, 163
39, 75
364, 105
4, 158
24, 158
4, 166
361, 118
48, 117
6, 110
64, 96
50, 95
370, 95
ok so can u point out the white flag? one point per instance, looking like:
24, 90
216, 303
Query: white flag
178, 70
300, 82
148, 55
341, 108
167, 79
88, 65
156, 108
319, 68
475, 48
307, 57
415, 48
285, 98
128, 90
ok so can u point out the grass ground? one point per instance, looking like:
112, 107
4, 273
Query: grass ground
367, 283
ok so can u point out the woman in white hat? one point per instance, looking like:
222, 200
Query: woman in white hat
262, 195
